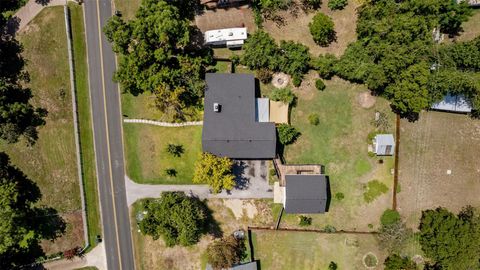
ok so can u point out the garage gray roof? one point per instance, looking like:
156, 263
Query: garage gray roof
233, 131
306, 193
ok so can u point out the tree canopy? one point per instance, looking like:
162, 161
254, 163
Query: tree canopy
214, 171
397, 262
395, 50
158, 54
177, 218
452, 241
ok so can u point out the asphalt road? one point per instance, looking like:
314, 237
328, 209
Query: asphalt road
107, 131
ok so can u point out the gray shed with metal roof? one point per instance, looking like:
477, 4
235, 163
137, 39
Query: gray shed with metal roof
306, 193
230, 128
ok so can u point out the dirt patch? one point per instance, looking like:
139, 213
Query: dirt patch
241, 208
366, 100
436, 143
294, 26
280, 80
226, 18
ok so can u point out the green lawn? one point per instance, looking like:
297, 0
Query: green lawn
147, 158
302, 250
127, 7
85, 124
339, 142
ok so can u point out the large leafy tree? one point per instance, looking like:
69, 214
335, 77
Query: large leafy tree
261, 51
214, 171
225, 252
158, 55
22, 224
453, 242
177, 218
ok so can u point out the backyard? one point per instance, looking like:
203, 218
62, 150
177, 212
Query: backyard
307, 250
339, 142
147, 157
51, 161
438, 164
229, 214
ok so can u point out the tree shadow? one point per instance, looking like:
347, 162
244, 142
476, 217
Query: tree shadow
48, 223
212, 226
11, 27
240, 170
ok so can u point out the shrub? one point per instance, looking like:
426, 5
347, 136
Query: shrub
284, 94
235, 59
296, 80
305, 221
175, 150
389, 217
70, 254
320, 85
171, 172
329, 229
332, 266
370, 225
314, 119
287, 134
337, 4
339, 196
324, 65
224, 253
264, 75
395, 262
321, 28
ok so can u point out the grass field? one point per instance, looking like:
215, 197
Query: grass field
339, 142
51, 162
85, 124
153, 254
147, 158
436, 143
127, 7
304, 250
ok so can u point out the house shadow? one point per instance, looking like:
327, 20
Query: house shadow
329, 193
240, 172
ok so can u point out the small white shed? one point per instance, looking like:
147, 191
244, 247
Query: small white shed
384, 145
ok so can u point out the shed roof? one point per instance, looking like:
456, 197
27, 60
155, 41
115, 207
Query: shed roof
233, 131
306, 193
384, 139
262, 110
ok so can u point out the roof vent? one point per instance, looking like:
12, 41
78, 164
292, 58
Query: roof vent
216, 107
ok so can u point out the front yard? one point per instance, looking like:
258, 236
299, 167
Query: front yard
148, 160
307, 250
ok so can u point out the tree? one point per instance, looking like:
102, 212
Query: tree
397, 262
261, 51
337, 4
324, 65
158, 55
175, 150
287, 134
23, 224
177, 218
225, 252
321, 28
393, 237
452, 15
294, 58
284, 95
453, 242
410, 93
214, 171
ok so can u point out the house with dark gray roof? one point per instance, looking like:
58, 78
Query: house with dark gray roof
306, 193
231, 126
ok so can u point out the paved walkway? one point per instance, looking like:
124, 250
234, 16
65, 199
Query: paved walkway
96, 257
163, 124
29, 11
140, 191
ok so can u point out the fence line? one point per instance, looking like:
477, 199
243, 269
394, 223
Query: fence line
395, 170
306, 230
75, 125
163, 124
